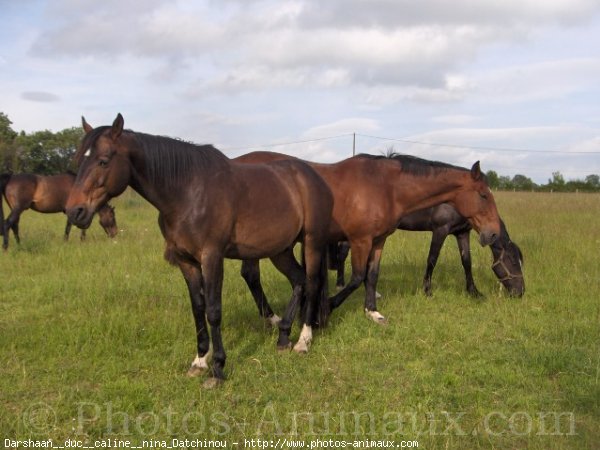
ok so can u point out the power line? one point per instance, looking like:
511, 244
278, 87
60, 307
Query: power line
473, 147
411, 141
250, 147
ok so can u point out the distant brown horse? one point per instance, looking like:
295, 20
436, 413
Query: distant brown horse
371, 195
45, 194
211, 208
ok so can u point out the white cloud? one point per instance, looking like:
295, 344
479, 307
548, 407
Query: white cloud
343, 126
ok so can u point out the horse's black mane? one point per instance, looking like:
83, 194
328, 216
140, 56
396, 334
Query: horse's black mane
167, 160
413, 165
171, 160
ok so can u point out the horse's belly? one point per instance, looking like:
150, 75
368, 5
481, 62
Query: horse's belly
259, 237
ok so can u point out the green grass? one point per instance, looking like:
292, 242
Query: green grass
96, 337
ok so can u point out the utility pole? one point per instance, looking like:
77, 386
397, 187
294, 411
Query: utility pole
353, 144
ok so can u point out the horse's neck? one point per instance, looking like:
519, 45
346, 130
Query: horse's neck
428, 191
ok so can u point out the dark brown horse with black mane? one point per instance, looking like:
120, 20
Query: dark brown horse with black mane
213, 208
371, 195
443, 220
45, 194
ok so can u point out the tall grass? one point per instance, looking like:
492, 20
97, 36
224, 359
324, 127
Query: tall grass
95, 339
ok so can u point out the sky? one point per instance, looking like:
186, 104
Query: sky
512, 83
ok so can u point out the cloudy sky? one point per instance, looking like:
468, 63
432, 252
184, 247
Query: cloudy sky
513, 83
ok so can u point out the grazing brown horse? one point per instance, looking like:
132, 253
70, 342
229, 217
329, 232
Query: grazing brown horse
371, 195
45, 194
443, 220
212, 208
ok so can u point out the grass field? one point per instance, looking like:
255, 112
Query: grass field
96, 337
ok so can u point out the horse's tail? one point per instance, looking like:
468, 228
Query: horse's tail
323, 307
332, 256
4, 178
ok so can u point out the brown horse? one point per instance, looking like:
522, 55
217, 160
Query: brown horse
443, 220
371, 195
212, 208
45, 194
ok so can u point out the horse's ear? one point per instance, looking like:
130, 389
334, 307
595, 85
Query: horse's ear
476, 172
86, 126
117, 127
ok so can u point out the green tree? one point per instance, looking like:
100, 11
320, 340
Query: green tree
593, 181
557, 183
45, 152
7, 139
492, 178
522, 183
505, 183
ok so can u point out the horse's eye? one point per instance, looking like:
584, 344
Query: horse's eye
483, 195
103, 162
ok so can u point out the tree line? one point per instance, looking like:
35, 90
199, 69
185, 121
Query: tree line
48, 153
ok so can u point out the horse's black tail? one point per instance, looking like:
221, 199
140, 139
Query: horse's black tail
320, 314
4, 178
332, 256
323, 308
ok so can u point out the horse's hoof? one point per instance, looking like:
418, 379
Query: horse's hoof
273, 321
212, 383
301, 347
284, 348
376, 317
196, 371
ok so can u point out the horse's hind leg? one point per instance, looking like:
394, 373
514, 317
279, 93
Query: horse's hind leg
251, 274
371, 283
12, 223
287, 264
342, 254
464, 248
15, 228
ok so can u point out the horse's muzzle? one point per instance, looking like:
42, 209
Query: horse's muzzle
80, 216
487, 238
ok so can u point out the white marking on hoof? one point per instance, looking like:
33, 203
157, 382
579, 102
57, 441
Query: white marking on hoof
378, 295
375, 316
305, 340
199, 365
274, 320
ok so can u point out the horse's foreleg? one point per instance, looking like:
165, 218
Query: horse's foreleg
193, 279
464, 247
437, 240
67, 230
212, 277
371, 283
251, 274
286, 263
360, 255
